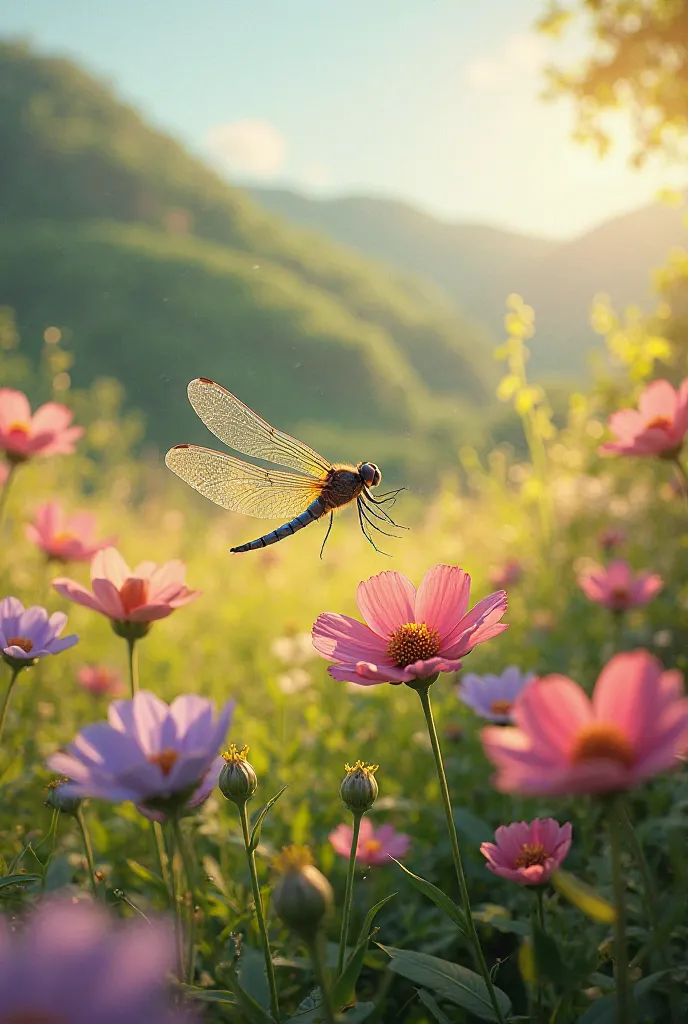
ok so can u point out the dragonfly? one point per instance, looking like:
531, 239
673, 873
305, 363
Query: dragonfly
308, 490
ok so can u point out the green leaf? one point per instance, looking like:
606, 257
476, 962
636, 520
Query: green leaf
549, 965
144, 874
253, 976
27, 879
439, 898
208, 995
358, 1013
258, 824
493, 916
583, 896
430, 1004
603, 1011
251, 1010
309, 1010
344, 989
450, 981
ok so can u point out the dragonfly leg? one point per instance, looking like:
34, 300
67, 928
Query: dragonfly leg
329, 528
365, 533
381, 513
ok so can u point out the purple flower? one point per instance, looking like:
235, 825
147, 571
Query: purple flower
198, 797
492, 697
156, 755
72, 962
28, 633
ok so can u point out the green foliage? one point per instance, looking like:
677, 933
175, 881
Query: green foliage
156, 271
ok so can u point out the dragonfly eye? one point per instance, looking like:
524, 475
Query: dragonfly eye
370, 473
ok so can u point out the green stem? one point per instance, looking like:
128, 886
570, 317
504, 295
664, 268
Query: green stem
683, 475
178, 923
52, 835
260, 916
650, 904
623, 994
133, 666
349, 892
88, 849
316, 953
8, 694
187, 863
540, 913
4, 494
424, 695
163, 859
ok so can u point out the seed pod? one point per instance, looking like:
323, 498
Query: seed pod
359, 787
238, 781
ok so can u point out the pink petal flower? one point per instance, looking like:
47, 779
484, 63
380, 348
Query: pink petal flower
617, 587
659, 425
47, 432
64, 538
409, 636
374, 847
635, 726
125, 597
528, 853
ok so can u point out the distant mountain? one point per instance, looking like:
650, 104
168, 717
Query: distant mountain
158, 271
478, 266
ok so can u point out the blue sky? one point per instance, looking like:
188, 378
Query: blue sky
432, 101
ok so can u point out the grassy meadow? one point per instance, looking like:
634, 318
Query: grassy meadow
546, 510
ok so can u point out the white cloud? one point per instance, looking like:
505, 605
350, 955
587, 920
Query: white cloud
520, 55
250, 147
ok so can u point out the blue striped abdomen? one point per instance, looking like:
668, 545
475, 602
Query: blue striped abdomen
315, 510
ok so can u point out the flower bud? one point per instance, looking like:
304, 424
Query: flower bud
238, 781
60, 798
130, 630
303, 897
359, 787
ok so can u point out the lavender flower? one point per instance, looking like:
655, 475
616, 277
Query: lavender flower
156, 755
71, 962
28, 633
492, 697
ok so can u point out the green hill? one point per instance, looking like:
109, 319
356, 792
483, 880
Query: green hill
158, 271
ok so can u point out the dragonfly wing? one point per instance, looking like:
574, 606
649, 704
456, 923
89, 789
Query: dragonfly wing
241, 487
242, 429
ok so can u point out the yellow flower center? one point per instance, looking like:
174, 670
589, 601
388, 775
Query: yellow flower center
21, 641
501, 707
233, 755
65, 538
659, 423
19, 428
602, 741
414, 641
165, 760
372, 846
531, 853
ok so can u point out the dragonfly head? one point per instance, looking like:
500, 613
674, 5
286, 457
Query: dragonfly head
370, 474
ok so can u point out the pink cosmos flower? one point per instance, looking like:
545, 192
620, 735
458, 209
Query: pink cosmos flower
375, 846
528, 854
617, 587
611, 537
506, 575
410, 634
100, 680
47, 432
657, 427
147, 593
65, 538
635, 726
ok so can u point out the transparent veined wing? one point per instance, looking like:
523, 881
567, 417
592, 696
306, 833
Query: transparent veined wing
242, 429
241, 487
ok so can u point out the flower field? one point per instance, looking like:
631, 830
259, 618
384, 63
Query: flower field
507, 839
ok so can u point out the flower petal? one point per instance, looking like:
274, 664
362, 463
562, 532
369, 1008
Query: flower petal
386, 602
75, 592
442, 598
108, 564
342, 638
